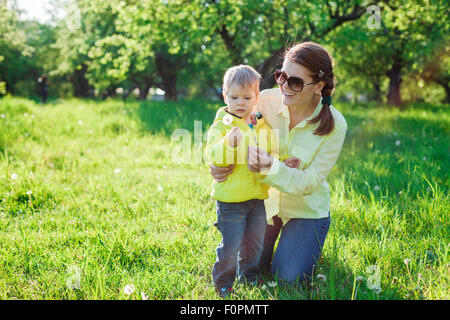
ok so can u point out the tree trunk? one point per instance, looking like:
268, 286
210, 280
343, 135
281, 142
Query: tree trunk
395, 80
377, 90
143, 90
267, 68
80, 83
447, 92
444, 82
168, 73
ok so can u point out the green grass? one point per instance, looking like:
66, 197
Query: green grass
90, 201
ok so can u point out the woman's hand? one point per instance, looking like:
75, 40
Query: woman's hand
220, 173
258, 159
292, 162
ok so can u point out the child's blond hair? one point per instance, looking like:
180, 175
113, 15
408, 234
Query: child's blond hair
243, 75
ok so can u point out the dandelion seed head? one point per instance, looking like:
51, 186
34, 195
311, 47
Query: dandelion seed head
29, 192
129, 289
376, 188
397, 143
14, 176
227, 120
272, 284
160, 188
359, 278
322, 277
144, 296
406, 261
117, 170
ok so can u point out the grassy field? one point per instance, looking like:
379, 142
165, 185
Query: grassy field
91, 202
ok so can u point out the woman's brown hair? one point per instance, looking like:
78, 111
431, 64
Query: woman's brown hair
317, 60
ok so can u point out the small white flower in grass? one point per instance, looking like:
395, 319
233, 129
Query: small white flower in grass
400, 193
144, 296
397, 143
25, 114
80, 122
227, 120
264, 287
117, 170
424, 158
29, 192
359, 278
272, 284
14, 176
32, 116
322, 277
160, 188
376, 188
129, 289
2, 116
406, 261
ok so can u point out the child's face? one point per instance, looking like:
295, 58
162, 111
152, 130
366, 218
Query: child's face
241, 100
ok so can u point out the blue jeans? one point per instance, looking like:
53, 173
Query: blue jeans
298, 249
242, 225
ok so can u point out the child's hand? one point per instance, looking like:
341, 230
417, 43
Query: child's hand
292, 162
234, 137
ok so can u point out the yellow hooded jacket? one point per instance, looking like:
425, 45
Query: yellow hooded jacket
242, 184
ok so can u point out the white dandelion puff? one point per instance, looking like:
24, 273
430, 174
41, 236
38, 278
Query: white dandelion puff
160, 188
272, 284
2, 116
406, 261
14, 176
376, 188
397, 143
321, 277
80, 122
227, 120
144, 296
29, 192
129, 289
117, 170
359, 278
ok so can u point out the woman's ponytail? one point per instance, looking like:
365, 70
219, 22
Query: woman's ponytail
325, 118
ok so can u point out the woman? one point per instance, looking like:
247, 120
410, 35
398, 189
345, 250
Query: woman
311, 129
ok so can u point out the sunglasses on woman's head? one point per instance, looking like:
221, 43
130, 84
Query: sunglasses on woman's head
294, 83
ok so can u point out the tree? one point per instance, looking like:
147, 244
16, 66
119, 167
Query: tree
13, 48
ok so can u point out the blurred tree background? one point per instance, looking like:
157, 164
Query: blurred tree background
391, 52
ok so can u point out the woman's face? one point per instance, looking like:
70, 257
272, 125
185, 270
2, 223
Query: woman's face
308, 94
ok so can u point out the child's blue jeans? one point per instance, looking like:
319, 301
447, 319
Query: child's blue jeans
242, 225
